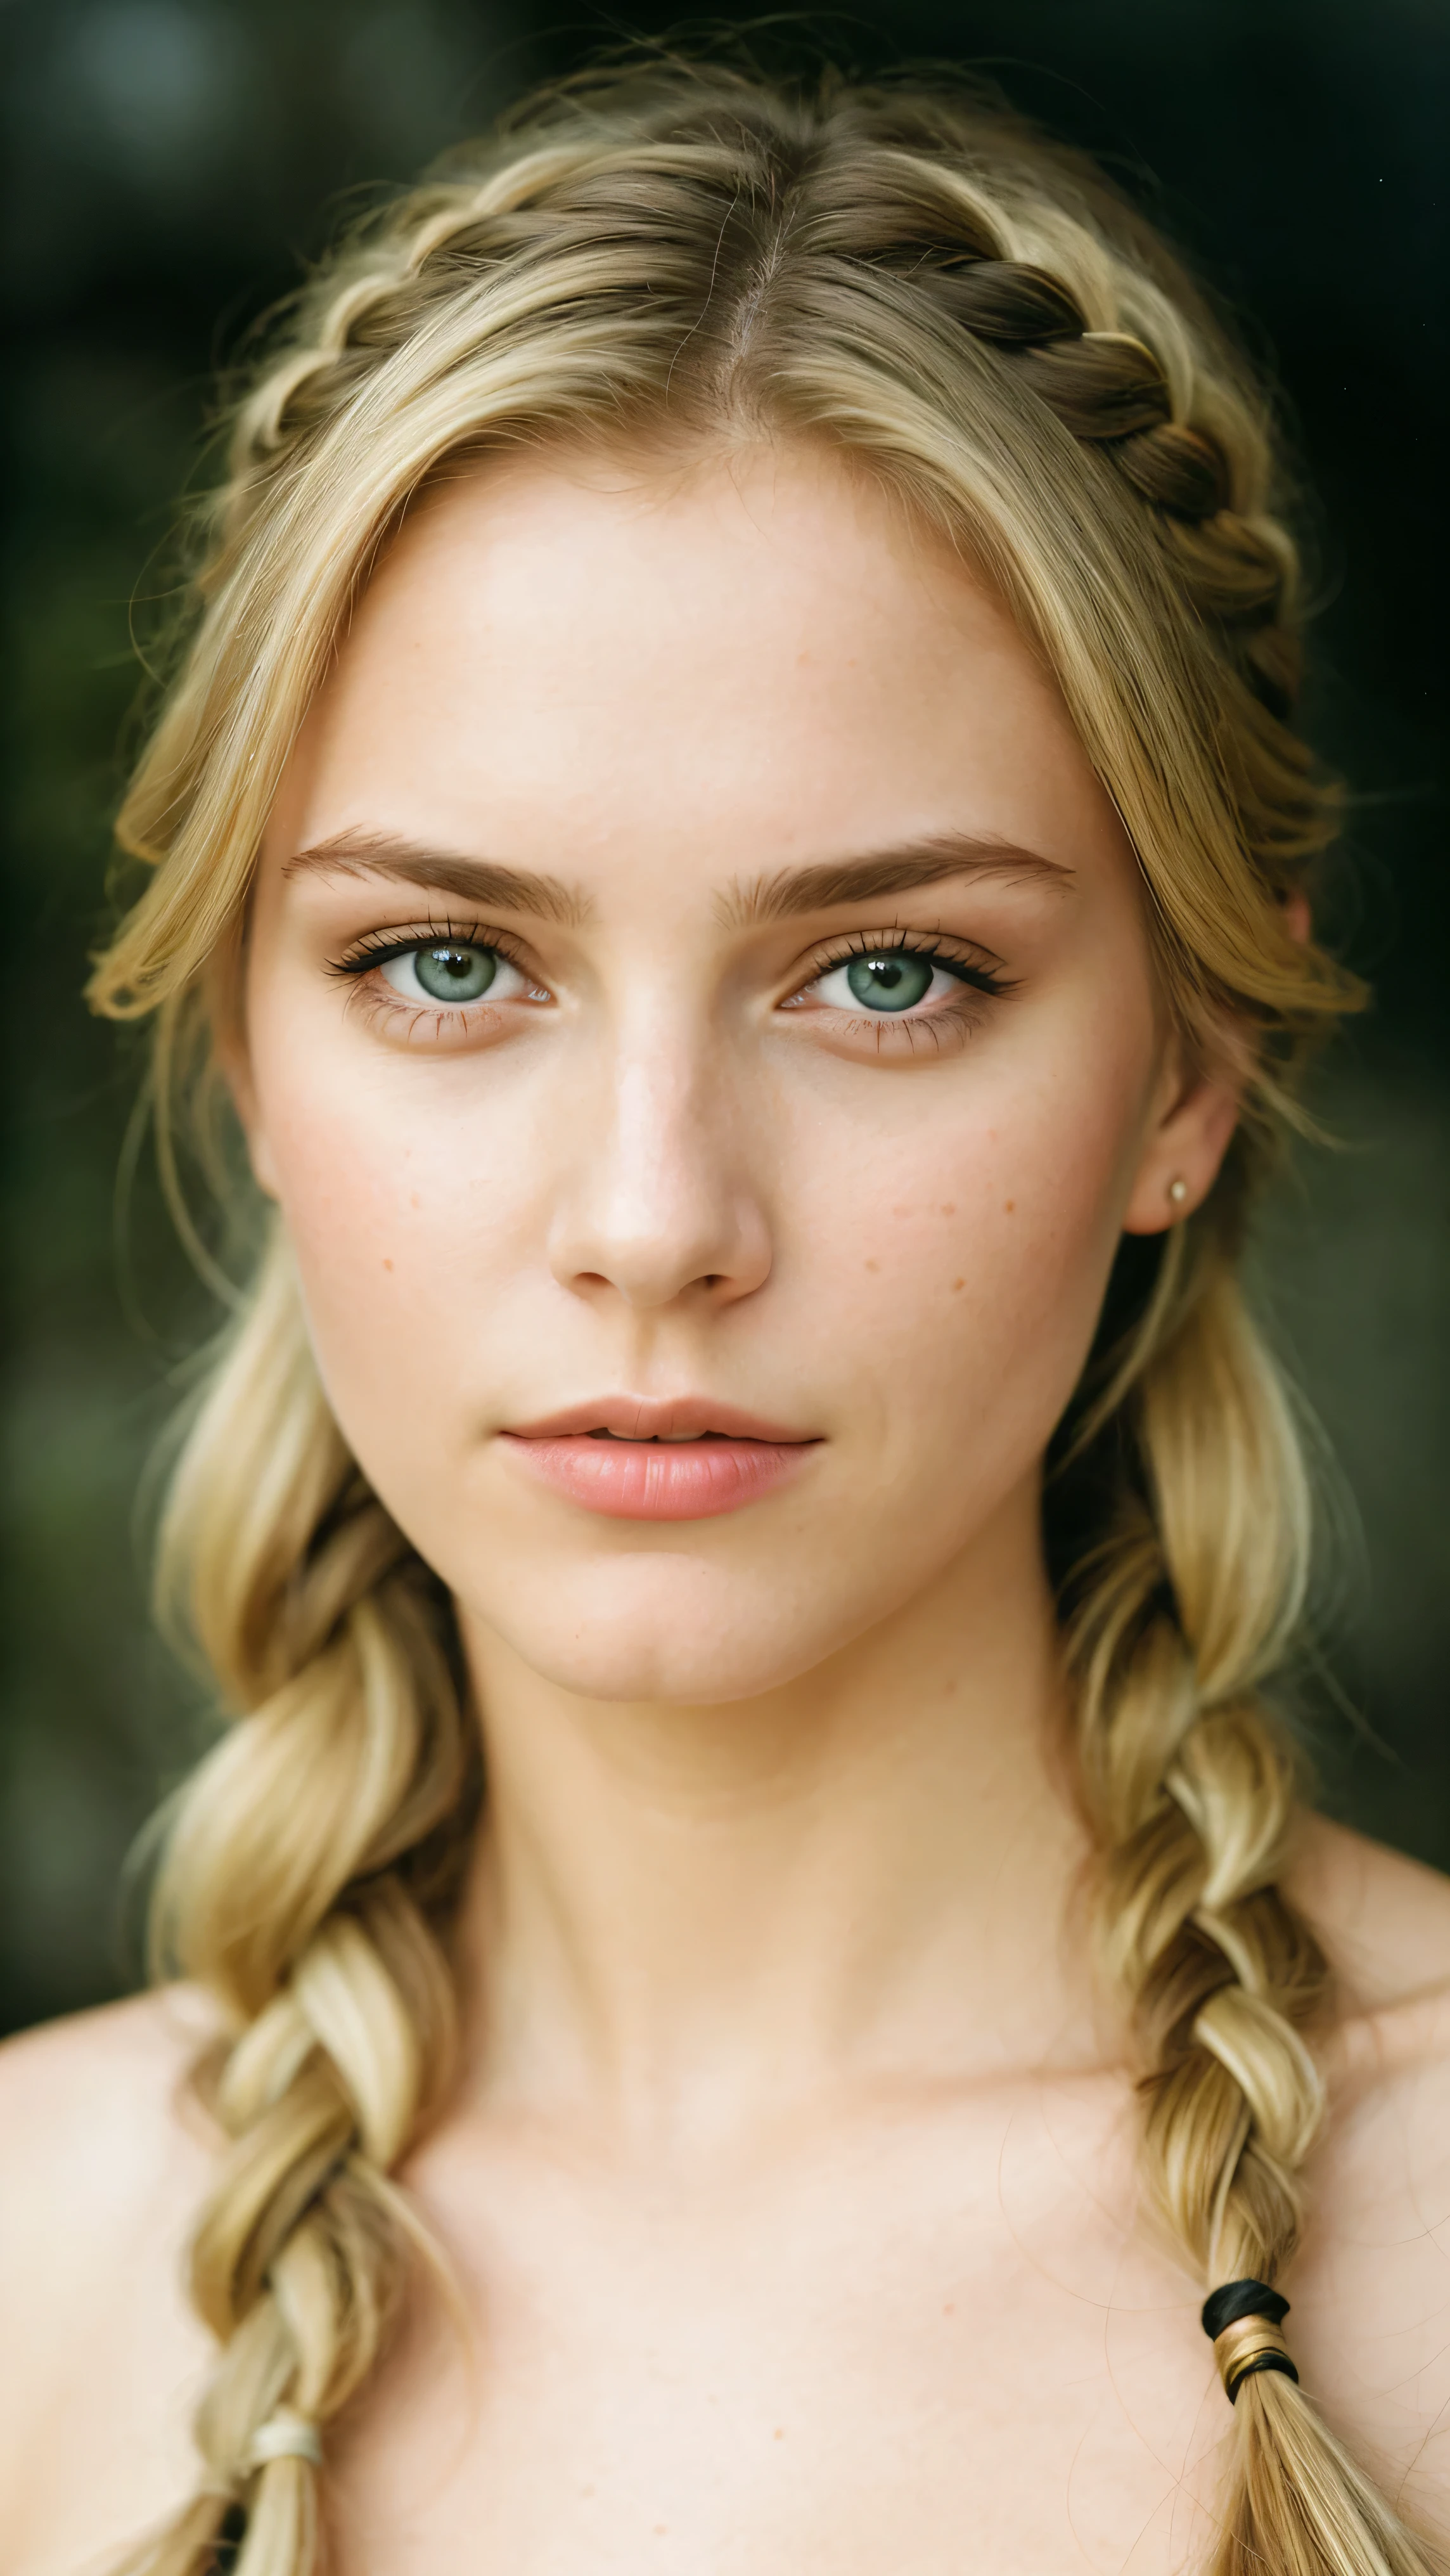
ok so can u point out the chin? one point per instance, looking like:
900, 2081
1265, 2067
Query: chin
665, 1628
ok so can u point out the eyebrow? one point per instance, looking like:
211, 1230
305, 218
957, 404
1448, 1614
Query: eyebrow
746, 904
484, 881
793, 891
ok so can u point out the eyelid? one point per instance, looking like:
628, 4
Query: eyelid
376, 947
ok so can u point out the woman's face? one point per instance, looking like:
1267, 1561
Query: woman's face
703, 1040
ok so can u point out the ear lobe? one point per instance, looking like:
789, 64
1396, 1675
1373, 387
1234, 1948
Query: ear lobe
1181, 1159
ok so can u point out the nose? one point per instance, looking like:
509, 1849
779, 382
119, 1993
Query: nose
664, 1202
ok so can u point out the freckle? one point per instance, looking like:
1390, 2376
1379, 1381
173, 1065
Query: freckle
415, 1201
660, 2529
901, 1211
949, 1208
387, 1265
1007, 1210
950, 2309
780, 2433
873, 1265
959, 1283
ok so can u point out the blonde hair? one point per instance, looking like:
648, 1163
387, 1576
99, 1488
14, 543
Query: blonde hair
912, 279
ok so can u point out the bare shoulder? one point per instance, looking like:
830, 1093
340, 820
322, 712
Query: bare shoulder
95, 2117
1385, 1925
1372, 2287
104, 2159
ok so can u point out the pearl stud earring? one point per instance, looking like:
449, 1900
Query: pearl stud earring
1178, 1191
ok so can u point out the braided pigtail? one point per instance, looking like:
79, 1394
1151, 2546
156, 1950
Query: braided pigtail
307, 1881
1180, 1611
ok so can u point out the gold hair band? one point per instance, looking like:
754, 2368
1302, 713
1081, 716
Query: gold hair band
1242, 2321
1248, 2345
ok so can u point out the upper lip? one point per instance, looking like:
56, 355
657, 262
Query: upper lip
639, 1417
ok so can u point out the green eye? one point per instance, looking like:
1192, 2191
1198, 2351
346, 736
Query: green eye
893, 980
450, 971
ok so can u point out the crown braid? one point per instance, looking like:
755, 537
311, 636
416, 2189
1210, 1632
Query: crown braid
1111, 364
1107, 387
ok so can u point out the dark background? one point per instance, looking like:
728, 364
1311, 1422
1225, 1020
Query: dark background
170, 163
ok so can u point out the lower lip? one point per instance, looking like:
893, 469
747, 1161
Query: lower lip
666, 1480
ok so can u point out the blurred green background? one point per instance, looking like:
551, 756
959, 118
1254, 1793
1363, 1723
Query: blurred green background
170, 163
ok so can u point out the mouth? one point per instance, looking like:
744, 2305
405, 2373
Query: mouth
672, 1459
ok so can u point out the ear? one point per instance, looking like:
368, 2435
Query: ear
1196, 1114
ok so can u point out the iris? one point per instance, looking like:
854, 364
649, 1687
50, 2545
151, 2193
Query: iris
891, 981
450, 974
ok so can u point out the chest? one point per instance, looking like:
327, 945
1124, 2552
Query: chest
926, 2352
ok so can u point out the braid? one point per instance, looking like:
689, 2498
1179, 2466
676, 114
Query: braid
1106, 386
676, 255
1110, 390
1181, 1610
306, 1882
370, 302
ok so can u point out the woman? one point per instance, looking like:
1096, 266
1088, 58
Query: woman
750, 1960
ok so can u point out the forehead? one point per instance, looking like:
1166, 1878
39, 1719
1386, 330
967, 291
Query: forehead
744, 662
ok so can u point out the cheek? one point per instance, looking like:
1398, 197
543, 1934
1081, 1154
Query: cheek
964, 1261
405, 1209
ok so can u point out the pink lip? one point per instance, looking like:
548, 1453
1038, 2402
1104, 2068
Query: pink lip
730, 1459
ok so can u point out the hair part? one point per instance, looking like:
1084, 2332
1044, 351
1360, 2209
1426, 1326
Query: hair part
912, 279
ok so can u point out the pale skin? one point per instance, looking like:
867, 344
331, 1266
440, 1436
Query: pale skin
790, 2185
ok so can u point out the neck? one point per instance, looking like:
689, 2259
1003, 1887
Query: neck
695, 1916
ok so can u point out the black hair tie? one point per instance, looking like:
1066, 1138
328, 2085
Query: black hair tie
1242, 2321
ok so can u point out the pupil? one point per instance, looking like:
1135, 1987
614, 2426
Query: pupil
455, 974
889, 983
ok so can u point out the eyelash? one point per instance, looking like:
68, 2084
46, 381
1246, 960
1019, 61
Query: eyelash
927, 945
980, 983
379, 947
